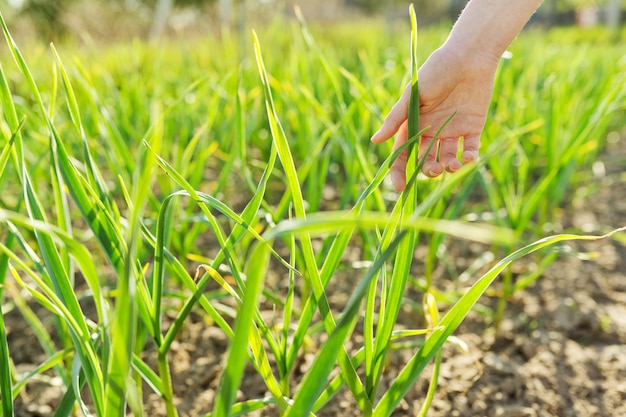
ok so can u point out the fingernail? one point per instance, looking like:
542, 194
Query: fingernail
429, 170
453, 166
469, 156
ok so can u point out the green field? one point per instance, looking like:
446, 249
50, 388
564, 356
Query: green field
144, 184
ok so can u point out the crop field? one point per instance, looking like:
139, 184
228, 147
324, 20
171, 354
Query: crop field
203, 228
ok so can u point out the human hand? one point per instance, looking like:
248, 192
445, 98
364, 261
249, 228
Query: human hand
448, 82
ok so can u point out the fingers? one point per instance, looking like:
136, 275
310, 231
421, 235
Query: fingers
431, 167
394, 119
448, 150
397, 171
471, 144
442, 155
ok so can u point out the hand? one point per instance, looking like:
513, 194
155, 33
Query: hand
448, 82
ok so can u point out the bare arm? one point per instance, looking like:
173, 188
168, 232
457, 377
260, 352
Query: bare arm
457, 77
487, 27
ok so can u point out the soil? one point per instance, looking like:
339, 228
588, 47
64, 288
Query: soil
561, 350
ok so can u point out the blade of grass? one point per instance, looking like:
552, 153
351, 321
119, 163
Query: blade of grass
94, 176
80, 253
7, 150
235, 364
432, 316
201, 199
316, 378
61, 284
148, 375
12, 147
182, 315
246, 407
10, 114
102, 226
179, 271
335, 253
121, 152
393, 294
346, 111
359, 357
67, 406
126, 317
340, 244
51, 361
77, 384
284, 365
455, 316
56, 305
60, 197
43, 336
332, 221
6, 391
285, 156
261, 362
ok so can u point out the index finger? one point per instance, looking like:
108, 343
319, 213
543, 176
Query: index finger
395, 118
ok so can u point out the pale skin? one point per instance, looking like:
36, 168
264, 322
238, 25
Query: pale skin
457, 77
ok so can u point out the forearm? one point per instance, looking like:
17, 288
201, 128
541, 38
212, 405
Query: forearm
487, 27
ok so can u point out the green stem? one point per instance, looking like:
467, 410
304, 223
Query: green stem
507, 289
166, 379
432, 388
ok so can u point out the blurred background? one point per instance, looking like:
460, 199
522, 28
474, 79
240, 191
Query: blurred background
114, 20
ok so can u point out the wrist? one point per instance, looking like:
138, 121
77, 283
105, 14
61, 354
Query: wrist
487, 27
466, 55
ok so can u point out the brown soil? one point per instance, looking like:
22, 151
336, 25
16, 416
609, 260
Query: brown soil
561, 350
